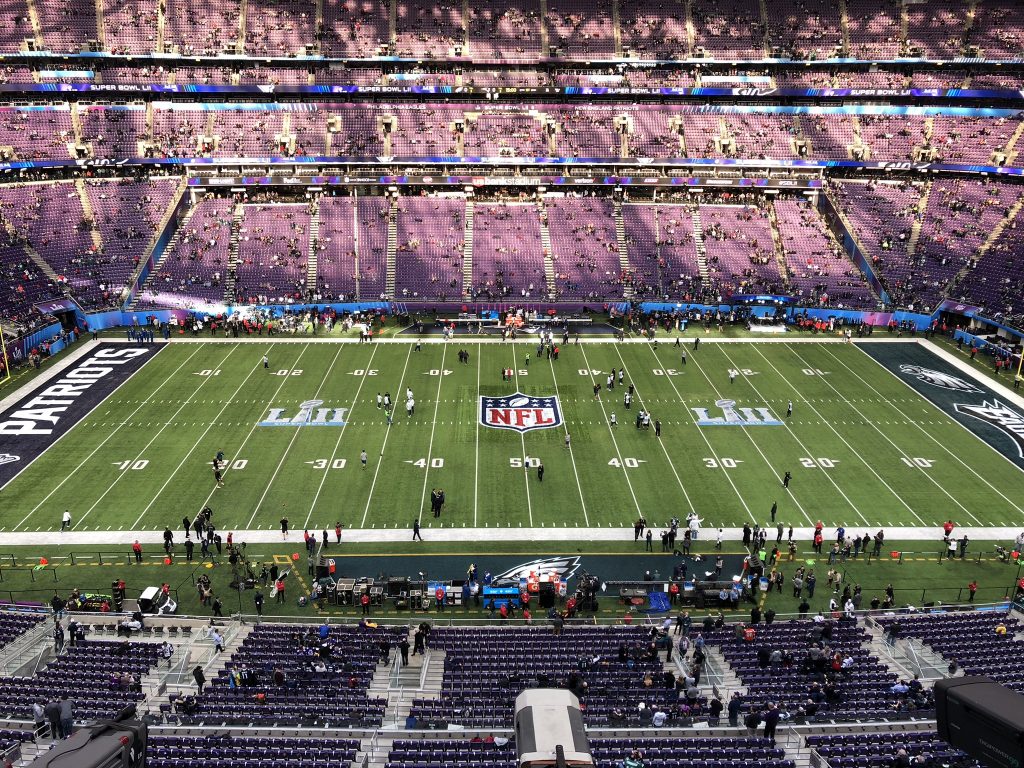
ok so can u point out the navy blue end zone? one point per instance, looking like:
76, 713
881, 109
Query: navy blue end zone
52, 408
993, 418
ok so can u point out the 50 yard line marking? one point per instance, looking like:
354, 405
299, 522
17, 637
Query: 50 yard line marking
341, 434
195, 445
387, 433
291, 442
159, 432
522, 438
93, 452
433, 426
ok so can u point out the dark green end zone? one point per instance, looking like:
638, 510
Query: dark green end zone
970, 402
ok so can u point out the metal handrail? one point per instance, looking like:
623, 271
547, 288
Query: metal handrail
20, 651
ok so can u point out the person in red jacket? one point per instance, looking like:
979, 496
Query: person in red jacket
948, 527
137, 549
364, 601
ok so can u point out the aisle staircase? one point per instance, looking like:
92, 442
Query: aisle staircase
702, 251
37, 27
166, 220
620, 239
993, 236
467, 252
400, 685
87, 211
780, 251
1011, 145
182, 226
915, 228
844, 25
549, 257
314, 244
232, 273
392, 265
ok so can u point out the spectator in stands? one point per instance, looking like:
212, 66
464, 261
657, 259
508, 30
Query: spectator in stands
67, 717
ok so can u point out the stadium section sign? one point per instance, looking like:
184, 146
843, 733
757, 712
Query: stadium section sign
52, 408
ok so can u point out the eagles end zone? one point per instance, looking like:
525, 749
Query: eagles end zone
51, 408
966, 399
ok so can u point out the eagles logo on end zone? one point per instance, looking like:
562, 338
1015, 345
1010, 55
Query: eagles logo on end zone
938, 378
520, 412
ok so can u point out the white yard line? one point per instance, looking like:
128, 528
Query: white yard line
476, 466
668, 456
572, 456
611, 432
522, 439
341, 434
195, 445
798, 441
291, 442
252, 430
394, 404
757, 448
827, 423
717, 456
153, 439
433, 426
928, 434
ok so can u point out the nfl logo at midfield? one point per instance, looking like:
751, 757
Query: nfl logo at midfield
520, 412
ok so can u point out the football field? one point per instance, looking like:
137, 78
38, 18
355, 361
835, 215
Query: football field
866, 446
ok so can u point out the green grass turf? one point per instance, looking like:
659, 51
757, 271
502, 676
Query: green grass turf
851, 413
918, 579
